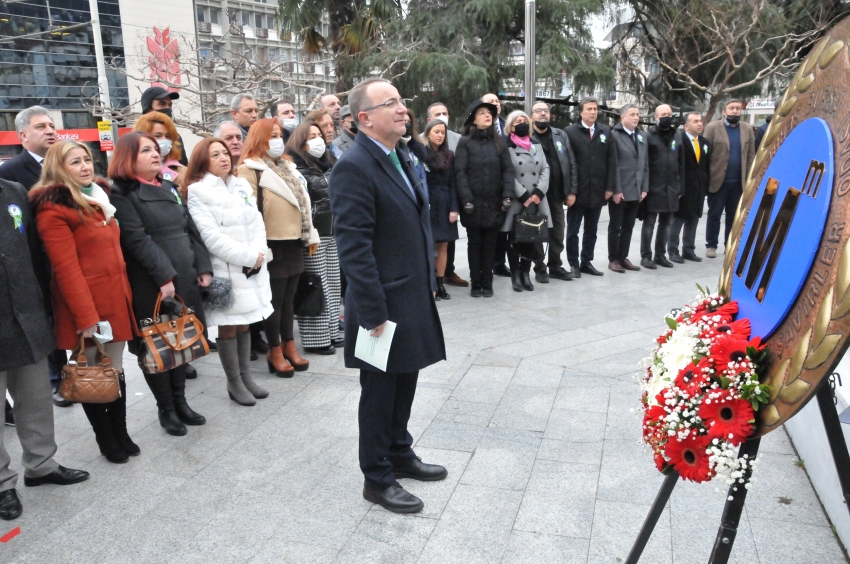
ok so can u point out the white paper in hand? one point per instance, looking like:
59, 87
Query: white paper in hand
375, 350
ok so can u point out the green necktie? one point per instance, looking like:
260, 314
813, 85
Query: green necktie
397, 163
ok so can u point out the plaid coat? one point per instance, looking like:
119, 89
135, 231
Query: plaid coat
26, 335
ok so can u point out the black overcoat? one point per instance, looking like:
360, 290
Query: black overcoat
443, 199
160, 244
385, 248
26, 335
666, 172
484, 175
697, 178
596, 161
23, 169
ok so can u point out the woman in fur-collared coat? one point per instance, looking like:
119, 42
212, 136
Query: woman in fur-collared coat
89, 278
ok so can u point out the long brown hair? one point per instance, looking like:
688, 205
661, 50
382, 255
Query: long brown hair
257, 142
123, 165
298, 138
199, 164
53, 172
146, 123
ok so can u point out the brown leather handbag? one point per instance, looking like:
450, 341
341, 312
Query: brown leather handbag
171, 341
84, 383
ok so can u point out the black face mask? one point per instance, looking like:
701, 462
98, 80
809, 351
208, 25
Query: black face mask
353, 128
733, 120
521, 130
541, 125
665, 123
408, 129
166, 111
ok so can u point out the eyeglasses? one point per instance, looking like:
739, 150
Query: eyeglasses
540, 111
391, 104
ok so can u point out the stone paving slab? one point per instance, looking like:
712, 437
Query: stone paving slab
532, 414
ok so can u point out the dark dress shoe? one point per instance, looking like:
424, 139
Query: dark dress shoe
647, 263
10, 505
662, 261
328, 350
394, 498
213, 345
454, 280
541, 276
627, 264
59, 401
259, 345
191, 373
677, 259
253, 355
418, 470
526, 282
576, 271
10, 415
501, 270
560, 273
187, 415
588, 268
475, 292
61, 477
338, 342
691, 256
487, 291
169, 421
615, 266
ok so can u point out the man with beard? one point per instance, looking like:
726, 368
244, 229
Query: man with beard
563, 177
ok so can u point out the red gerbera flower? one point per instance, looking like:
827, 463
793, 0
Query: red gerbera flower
689, 457
660, 463
740, 328
728, 349
728, 418
691, 379
656, 413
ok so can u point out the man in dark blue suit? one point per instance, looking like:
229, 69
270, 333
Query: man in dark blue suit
383, 233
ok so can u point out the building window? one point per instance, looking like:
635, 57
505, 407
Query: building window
246, 19
271, 22
205, 53
214, 16
272, 53
258, 20
201, 15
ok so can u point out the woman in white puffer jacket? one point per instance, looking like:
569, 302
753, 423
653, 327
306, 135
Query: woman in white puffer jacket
225, 212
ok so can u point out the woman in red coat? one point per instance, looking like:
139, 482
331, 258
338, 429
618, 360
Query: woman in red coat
89, 279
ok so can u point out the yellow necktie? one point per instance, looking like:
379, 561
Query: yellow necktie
696, 147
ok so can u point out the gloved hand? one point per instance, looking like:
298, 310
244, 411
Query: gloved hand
468, 208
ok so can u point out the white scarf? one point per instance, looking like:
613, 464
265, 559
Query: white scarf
100, 199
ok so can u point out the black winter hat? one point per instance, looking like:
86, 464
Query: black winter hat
155, 93
473, 107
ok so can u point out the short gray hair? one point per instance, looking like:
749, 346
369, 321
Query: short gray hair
625, 109
358, 99
217, 132
509, 121
236, 102
22, 120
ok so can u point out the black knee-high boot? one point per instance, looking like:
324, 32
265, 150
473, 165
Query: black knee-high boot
104, 433
117, 411
178, 390
160, 385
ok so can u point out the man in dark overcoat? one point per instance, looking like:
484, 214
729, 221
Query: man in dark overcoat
37, 133
694, 188
26, 338
666, 171
383, 232
596, 160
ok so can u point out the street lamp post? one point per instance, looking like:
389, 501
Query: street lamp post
530, 54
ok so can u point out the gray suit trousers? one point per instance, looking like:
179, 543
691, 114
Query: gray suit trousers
31, 392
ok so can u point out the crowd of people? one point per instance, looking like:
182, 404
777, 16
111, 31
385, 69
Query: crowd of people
257, 204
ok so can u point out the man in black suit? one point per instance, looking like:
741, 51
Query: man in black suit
596, 159
383, 232
37, 133
695, 187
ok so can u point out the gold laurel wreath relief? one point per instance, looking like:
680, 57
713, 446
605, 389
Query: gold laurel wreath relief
817, 344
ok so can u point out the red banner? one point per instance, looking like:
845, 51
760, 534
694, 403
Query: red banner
82, 135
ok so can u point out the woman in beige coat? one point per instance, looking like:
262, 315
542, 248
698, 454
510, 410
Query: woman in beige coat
281, 194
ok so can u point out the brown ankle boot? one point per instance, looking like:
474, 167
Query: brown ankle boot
291, 354
278, 364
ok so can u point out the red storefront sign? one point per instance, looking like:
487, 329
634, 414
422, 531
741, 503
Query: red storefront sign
82, 135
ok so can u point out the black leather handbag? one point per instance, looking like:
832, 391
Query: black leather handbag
309, 298
530, 228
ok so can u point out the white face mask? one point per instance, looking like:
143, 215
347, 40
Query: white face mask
164, 146
444, 119
290, 124
316, 147
275, 148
